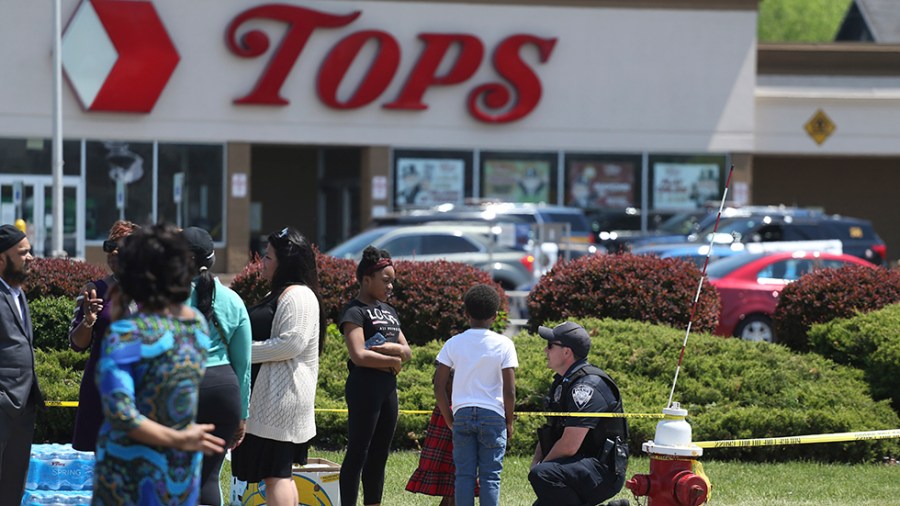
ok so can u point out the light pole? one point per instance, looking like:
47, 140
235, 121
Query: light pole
57, 232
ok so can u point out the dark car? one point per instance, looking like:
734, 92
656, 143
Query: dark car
857, 236
605, 220
457, 242
673, 229
763, 224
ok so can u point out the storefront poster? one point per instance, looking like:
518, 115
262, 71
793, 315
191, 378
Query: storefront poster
517, 180
425, 182
684, 186
595, 184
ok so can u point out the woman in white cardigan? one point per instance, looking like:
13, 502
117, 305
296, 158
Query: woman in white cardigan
288, 336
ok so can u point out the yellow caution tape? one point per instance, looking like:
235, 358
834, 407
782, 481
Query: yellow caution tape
74, 404
530, 413
599, 415
726, 443
697, 469
62, 404
800, 440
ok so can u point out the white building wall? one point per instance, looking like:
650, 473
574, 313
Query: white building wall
864, 110
617, 80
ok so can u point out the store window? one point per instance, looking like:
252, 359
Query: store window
35, 157
519, 177
119, 185
190, 186
603, 181
429, 178
684, 182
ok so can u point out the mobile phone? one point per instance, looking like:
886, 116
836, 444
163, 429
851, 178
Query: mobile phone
375, 340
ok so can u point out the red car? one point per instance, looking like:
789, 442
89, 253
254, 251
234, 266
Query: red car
749, 286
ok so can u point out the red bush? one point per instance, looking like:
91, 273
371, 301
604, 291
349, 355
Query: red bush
249, 283
624, 287
60, 277
337, 281
428, 295
826, 294
429, 298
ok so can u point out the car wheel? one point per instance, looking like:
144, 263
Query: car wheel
756, 328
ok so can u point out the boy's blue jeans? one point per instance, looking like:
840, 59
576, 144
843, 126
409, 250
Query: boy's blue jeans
479, 443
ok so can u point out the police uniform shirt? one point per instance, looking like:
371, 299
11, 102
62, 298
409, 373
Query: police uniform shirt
588, 394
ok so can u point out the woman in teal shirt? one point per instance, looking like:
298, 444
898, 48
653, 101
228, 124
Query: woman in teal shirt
225, 389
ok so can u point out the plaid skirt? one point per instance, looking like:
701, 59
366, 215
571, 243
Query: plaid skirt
436, 472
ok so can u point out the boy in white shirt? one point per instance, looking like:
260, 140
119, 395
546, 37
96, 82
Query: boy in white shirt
484, 397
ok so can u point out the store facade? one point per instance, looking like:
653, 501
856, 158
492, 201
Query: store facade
244, 117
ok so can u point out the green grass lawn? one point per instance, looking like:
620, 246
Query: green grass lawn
734, 483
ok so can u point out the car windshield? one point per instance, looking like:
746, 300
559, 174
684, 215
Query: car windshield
739, 226
353, 247
721, 268
682, 223
577, 222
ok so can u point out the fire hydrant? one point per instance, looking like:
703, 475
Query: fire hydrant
672, 481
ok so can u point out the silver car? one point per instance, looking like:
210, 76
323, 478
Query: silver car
474, 245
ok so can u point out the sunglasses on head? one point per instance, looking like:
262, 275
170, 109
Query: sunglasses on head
283, 233
110, 245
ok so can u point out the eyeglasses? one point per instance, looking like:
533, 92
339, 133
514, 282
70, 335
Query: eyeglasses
110, 245
551, 344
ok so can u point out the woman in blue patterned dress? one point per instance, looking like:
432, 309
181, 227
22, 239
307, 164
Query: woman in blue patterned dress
149, 448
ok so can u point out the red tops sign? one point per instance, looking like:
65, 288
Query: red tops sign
493, 102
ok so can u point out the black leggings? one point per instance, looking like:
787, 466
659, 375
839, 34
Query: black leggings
219, 403
371, 420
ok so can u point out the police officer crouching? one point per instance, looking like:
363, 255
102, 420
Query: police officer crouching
578, 460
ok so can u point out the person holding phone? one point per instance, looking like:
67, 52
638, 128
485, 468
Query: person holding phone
86, 331
149, 448
371, 388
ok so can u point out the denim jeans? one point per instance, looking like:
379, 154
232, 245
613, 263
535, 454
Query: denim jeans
479, 443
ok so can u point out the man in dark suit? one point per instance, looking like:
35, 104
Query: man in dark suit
19, 393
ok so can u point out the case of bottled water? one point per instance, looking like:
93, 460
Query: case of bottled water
59, 467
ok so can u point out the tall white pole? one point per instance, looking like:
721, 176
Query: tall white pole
57, 234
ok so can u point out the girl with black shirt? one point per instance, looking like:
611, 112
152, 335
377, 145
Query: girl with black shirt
371, 388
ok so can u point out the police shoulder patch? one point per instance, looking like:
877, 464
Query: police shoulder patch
582, 394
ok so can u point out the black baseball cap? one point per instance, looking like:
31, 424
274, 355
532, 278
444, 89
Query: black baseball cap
569, 334
201, 243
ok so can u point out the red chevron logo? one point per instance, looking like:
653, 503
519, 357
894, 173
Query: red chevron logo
117, 55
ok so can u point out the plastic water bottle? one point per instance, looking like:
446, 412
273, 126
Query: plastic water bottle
56, 498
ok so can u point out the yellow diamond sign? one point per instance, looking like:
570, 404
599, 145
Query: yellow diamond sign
820, 126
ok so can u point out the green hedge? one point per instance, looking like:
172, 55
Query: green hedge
50, 318
59, 374
731, 388
869, 342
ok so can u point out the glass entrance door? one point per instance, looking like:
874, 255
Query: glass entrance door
30, 198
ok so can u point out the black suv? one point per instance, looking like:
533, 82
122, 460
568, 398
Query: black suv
761, 224
857, 236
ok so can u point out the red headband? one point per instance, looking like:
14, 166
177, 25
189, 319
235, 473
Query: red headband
380, 264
